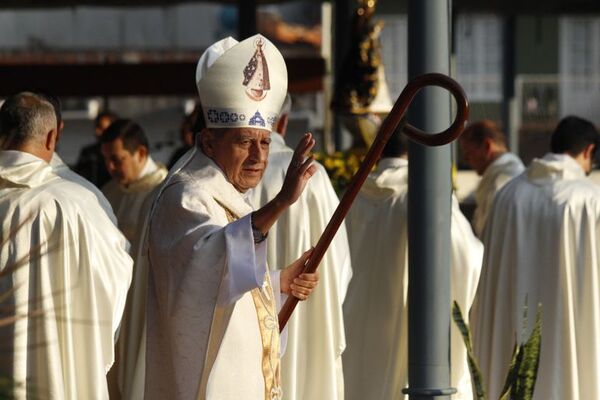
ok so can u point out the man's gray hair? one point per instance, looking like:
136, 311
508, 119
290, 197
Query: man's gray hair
286, 107
26, 116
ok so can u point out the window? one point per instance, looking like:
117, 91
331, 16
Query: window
579, 67
478, 39
395, 52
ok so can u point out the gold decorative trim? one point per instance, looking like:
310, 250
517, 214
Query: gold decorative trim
266, 312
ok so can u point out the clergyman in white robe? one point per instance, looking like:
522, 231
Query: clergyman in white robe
495, 176
484, 148
131, 205
217, 260
69, 293
128, 201
376, 357
212, 323
312, 363
543, 244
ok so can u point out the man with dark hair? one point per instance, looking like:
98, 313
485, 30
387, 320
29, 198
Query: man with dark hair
579, 145
130, 193
90, 163
483, 146
541, 247
375, 311
64, 263
134, 174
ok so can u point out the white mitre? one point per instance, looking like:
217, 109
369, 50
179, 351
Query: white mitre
241, 84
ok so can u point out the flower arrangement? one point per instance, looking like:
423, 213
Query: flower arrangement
341, 167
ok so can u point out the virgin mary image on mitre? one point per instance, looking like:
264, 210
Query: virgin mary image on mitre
256, 74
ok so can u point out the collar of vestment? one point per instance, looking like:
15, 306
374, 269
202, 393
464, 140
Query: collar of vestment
151, 176
207, 176
149, 167
56, 162
502, 169
24, 169
392, 162
500, 164
553, 167
390, 178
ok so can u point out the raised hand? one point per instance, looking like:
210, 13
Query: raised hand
299, 171
298, 174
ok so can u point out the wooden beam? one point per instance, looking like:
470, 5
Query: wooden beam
143, 79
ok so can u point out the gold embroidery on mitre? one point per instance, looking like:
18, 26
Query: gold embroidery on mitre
268, 325
256, 74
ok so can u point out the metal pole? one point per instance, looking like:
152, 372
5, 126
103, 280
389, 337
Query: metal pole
246, 19
429, 207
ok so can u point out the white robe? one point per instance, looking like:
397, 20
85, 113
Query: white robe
70, 295
312, 364
131, 205
376, 359
128, 202
543, 242
203, 339
61, 169
495, 176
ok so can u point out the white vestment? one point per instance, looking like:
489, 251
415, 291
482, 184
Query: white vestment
312, 364
127, 201
203, 336
69, 293
61, 169
542, 242
496, 175
376, 359
131, 205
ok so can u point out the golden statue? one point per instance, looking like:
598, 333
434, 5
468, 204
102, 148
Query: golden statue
361, 93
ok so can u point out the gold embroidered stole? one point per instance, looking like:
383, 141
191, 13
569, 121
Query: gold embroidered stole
268, 325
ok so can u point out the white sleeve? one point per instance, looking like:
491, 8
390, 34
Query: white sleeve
246, 261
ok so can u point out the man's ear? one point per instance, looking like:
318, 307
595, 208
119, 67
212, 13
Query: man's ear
142, 151
51, 139
488, 146
588, 152
207, 142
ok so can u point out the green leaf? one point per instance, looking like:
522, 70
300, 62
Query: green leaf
531, 358
473, 366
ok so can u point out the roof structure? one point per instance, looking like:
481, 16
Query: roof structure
497, 6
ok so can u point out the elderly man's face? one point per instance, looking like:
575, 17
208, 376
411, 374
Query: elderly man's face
241, 153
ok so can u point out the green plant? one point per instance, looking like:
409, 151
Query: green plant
522, 371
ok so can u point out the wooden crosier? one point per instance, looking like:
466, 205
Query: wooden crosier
394, 118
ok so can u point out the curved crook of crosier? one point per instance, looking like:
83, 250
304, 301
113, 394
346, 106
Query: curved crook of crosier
412, 88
